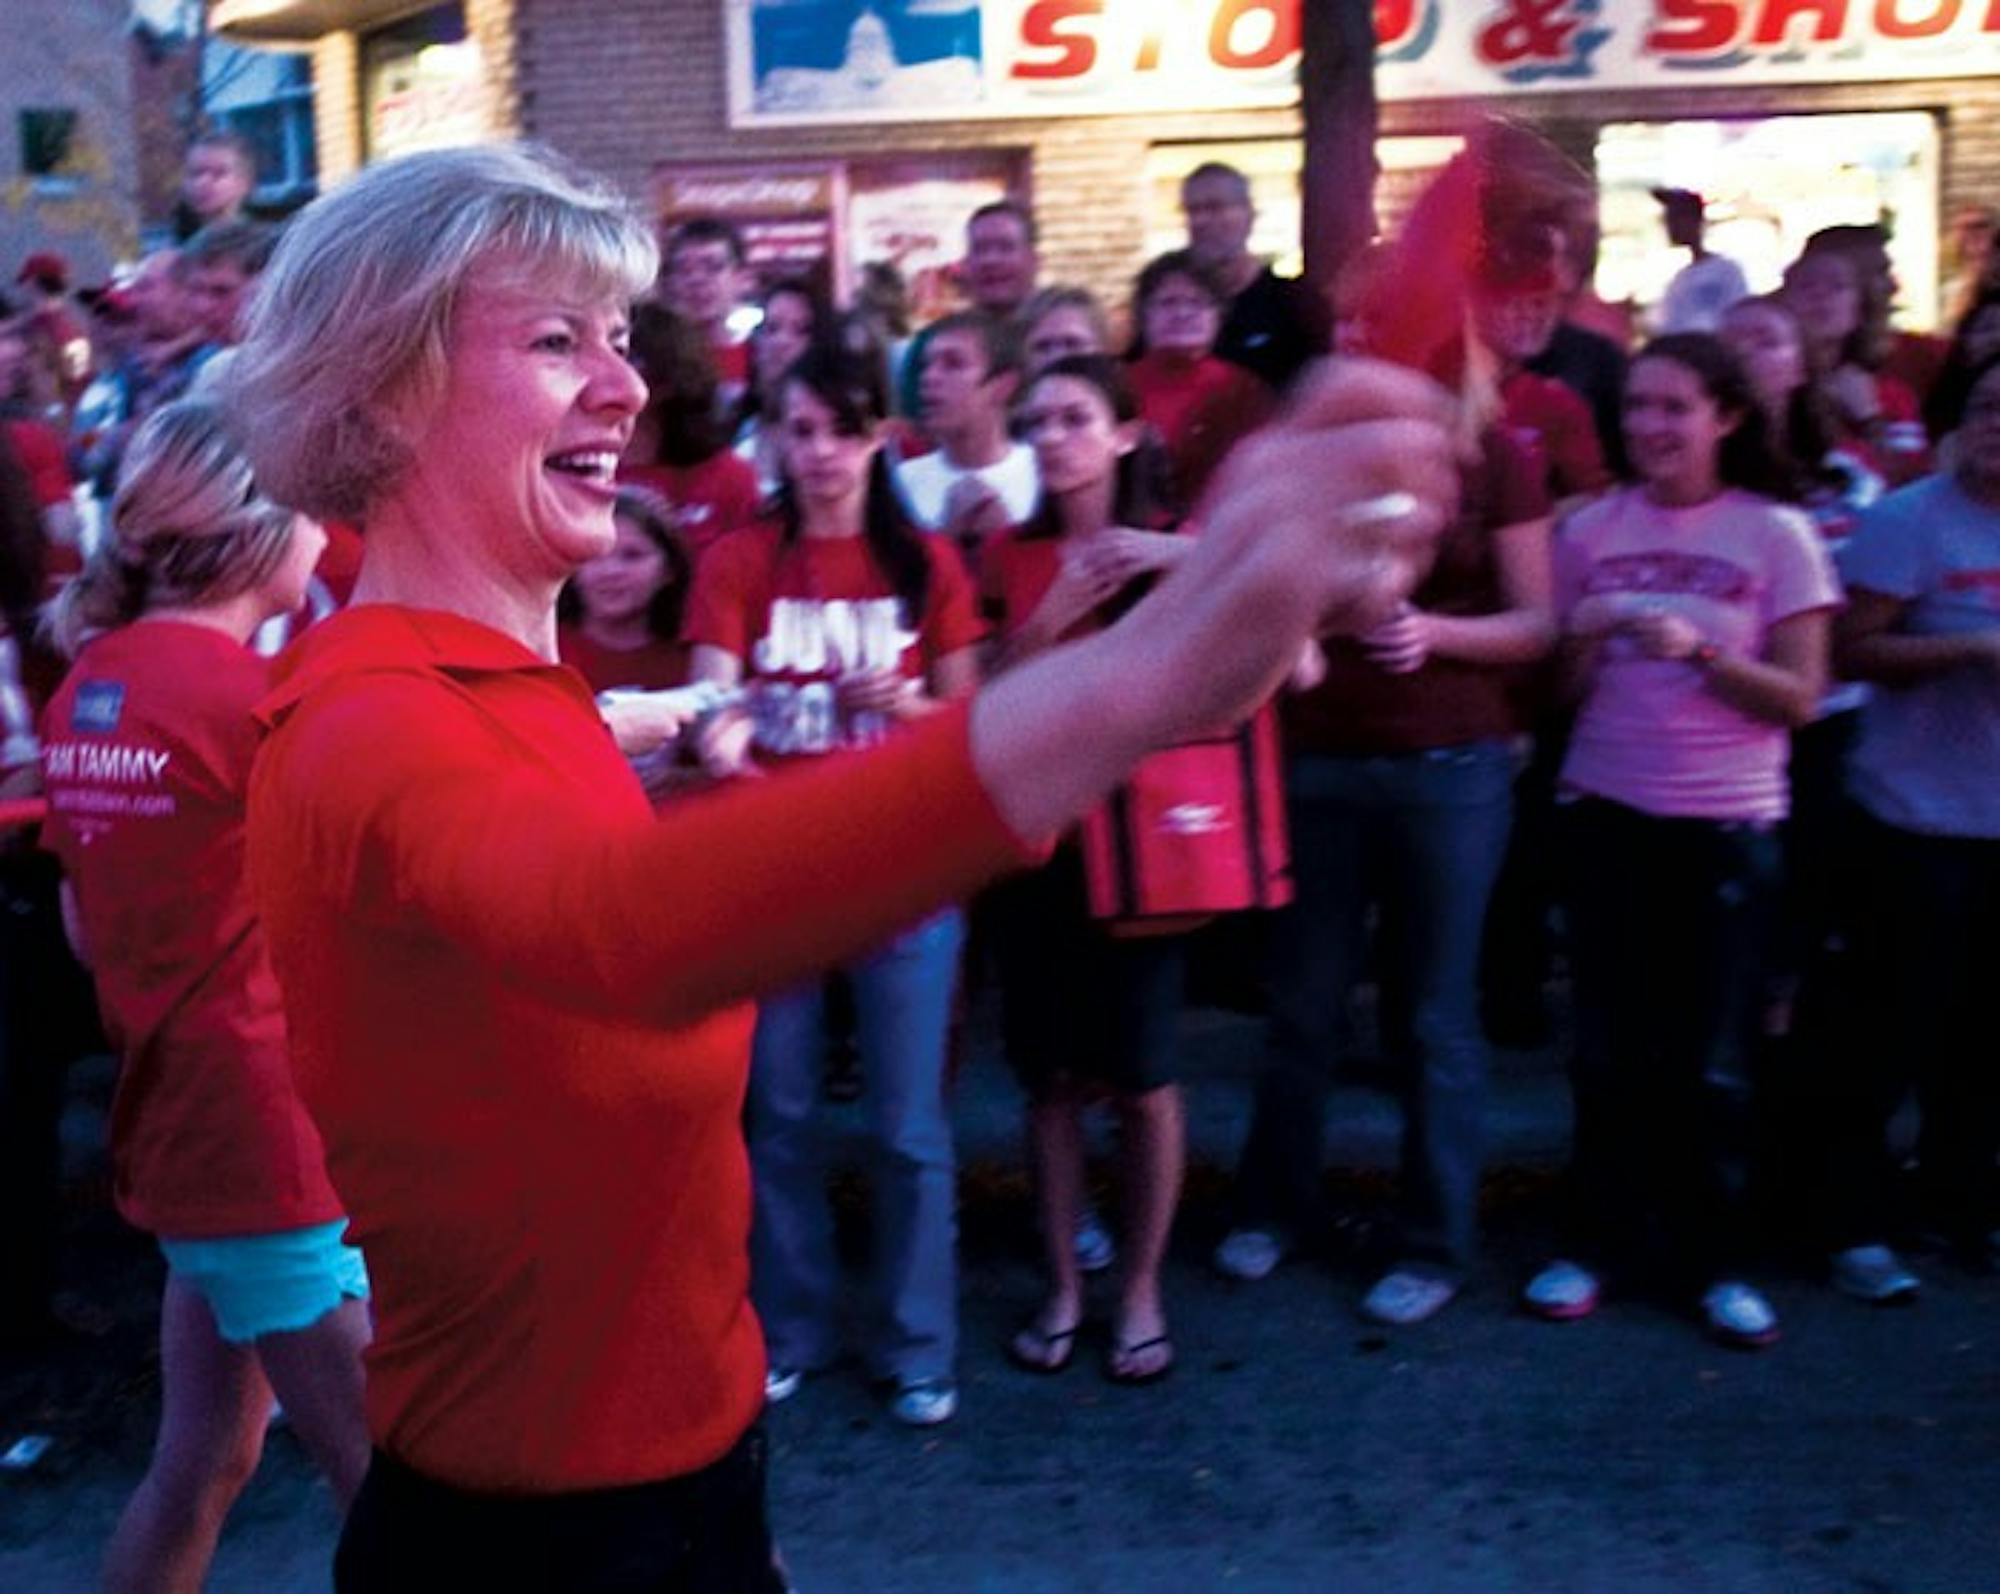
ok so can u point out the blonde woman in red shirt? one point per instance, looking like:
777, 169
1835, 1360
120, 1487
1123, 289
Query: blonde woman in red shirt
146, 758
519, 998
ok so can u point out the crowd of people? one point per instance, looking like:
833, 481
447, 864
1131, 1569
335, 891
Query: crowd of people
1675, 669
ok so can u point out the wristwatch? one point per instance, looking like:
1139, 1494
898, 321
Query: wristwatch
1704, 655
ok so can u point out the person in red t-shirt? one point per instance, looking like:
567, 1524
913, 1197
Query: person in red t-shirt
621, 613
518, 994
1201, 405
846, 622
1843, 312
146, 758
680, 449
1087, 1012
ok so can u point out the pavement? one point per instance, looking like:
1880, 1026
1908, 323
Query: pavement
1295, 1447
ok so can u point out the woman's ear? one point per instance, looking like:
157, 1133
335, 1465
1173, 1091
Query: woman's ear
1129, 434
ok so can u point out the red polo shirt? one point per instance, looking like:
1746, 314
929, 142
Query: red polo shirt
520, 1014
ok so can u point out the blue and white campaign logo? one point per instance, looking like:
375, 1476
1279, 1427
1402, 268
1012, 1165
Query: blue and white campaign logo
820, 57
99, 706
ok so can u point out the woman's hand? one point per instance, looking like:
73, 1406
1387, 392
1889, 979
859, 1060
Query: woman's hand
879, 691
1661, 634
1597, 616
1402, 645
1120, 554
1853, 394
1321, 523
722, 743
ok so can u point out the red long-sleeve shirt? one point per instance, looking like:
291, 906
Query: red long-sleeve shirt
519, 1012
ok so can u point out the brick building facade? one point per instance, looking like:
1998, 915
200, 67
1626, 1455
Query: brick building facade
72, 88
621, 85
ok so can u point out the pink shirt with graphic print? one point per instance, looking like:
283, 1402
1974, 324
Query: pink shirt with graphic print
1651, 734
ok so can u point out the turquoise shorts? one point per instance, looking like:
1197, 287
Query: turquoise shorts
258, 1284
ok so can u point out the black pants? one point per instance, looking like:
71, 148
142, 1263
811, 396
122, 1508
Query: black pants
1668, 926
1901, 1003
705, 1533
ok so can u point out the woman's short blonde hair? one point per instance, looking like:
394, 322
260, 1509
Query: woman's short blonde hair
348, 334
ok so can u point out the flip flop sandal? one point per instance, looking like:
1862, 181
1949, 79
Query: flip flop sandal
1125, 1352
1054, 1349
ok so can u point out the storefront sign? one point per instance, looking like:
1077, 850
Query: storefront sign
787, 215
901, 60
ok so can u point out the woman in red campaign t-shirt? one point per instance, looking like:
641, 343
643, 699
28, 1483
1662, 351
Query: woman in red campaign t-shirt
1200, 404
1088, 1013
680, 449
146, 757
621, 613
846, 622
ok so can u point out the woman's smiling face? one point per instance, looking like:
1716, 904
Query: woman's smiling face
538, 403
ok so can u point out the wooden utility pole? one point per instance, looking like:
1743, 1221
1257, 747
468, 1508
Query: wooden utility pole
1337, 89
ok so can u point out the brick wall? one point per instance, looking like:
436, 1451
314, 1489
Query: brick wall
659, 65
72, 54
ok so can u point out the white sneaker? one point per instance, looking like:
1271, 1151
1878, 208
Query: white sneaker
1561, 1292
1095, 1249
1250, 1254
1402, 1298
1739, 1316
925, 1402
1875, 1274
781, 1383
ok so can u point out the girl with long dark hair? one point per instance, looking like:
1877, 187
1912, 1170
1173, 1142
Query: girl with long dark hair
1696, 610
1088, 1014
844, 623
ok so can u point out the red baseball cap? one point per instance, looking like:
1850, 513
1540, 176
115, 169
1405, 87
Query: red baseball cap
45, 268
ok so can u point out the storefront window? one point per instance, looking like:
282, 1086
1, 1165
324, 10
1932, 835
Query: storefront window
910, 213
1769, 185
423, 85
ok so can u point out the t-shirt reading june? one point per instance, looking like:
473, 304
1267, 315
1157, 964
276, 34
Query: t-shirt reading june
801, 618
1651, 734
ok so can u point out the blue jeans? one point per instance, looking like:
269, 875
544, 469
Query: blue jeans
1422, 835
902, 999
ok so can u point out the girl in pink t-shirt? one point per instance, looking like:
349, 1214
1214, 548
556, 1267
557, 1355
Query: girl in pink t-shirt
1695, 611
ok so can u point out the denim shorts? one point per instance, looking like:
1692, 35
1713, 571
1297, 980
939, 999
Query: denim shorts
278, 1283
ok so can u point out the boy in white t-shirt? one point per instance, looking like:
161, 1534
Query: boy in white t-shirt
979, 482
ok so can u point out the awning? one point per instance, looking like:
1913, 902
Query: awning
300, 22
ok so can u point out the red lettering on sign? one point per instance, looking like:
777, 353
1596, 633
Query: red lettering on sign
1045, 25
1395, 20
1891, 23
1280, 47
1695, 27
1778, 15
